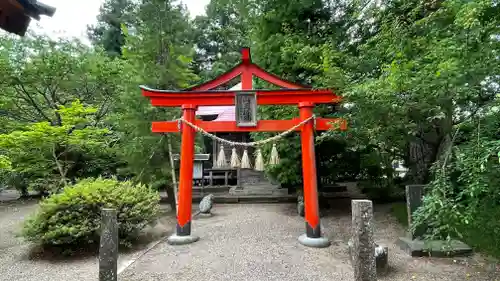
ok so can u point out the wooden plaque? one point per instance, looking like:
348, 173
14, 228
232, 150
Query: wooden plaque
246, 109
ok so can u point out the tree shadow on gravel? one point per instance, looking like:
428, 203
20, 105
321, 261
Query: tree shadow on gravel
327, 208
290, 210
388, 272
61, 253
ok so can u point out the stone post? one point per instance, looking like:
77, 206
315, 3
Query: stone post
414, 196
108, 247
363, 245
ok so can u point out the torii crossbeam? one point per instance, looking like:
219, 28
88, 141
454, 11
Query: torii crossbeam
205, 95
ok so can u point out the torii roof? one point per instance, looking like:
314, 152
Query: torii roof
207, 93
245, 65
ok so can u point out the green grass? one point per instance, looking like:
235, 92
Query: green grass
399, 211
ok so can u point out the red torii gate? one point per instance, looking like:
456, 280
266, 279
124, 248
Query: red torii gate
205, 95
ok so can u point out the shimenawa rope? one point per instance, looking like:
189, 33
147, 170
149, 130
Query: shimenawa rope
247, 144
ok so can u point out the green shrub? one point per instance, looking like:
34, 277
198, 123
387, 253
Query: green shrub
16, 180
382, 190
483, 231
72, 217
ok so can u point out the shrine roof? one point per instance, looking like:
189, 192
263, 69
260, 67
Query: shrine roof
223, 112
15, 15
35, 9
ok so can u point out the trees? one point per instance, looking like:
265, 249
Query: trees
42, 148
40, 78
220, 34
107, 33
38, 75
425, 90
431, 71
302, 41
5, 163
158, 54
157, 51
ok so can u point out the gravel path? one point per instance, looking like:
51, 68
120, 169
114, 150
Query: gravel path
239, 243
20, 261
11, 214
259, 242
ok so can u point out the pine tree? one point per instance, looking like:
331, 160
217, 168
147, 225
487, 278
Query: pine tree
107, 33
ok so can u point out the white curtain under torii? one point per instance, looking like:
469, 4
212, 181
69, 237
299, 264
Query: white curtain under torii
228, 114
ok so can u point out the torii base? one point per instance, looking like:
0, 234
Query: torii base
320, 242
175, 239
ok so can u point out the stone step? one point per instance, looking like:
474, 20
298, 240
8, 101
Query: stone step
245, 191
259, 188
251, 191
210, 189
333, 188
281, 191
260, 185
248, 177
250, 199
258, 191
227, 198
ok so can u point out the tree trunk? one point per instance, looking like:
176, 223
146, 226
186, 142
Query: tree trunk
420, 160
427, 148
60, 166
172, 192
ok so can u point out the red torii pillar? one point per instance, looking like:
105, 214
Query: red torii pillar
204, 95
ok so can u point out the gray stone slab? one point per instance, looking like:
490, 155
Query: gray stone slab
435, 248
414, 197
251, 179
